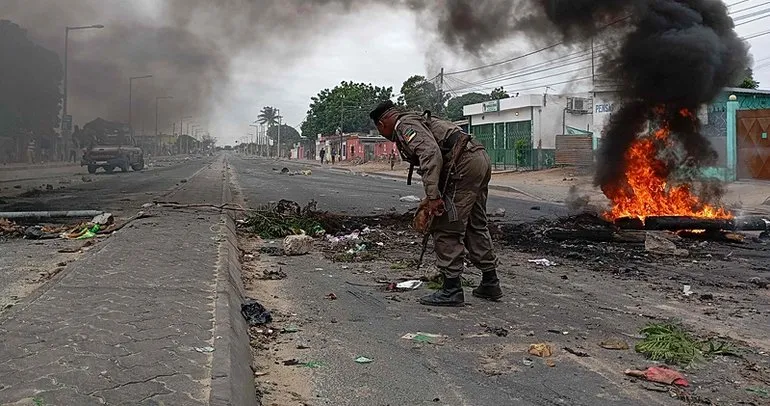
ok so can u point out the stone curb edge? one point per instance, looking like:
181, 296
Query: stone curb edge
232, 380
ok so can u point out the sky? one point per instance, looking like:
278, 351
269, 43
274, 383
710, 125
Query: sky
356, 50
285, 68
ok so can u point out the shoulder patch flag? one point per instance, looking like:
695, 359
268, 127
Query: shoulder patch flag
409, 134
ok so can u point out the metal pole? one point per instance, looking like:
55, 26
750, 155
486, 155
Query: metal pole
130, 89
157, 140
279, 133
66, 60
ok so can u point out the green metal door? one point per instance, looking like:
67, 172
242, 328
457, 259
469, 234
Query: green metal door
518, 138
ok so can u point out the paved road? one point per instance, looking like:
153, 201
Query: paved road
473, 368
342, 191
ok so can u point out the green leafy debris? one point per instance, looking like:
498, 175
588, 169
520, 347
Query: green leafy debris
671, 343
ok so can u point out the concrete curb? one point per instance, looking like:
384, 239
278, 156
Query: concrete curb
28, 167
232, 380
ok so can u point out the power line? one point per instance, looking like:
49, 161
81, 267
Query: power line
754, 19
737, 3
749, 8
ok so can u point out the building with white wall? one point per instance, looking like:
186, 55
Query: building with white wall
521, 131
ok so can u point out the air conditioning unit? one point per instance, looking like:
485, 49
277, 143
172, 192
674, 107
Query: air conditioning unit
579, 105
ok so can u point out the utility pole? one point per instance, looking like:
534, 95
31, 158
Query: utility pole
252, 151
130, 90
440, 103
66, 128
157, 139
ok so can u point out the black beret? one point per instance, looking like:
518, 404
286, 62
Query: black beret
381, 109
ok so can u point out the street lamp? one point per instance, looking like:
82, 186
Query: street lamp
130, 89
256, 136
157, 139
67, 30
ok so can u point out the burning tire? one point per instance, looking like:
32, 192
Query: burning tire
92, 169
138, 166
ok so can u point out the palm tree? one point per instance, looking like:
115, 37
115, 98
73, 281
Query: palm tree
269, 116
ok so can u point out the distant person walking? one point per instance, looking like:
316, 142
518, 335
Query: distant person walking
392, 159
323, 155
334, 155
31, 147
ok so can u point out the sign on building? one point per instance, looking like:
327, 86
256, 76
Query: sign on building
491, 106
66, 123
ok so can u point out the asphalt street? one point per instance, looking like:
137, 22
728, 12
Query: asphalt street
473, 368
338, 190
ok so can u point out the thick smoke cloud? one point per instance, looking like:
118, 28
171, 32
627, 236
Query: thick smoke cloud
677, 53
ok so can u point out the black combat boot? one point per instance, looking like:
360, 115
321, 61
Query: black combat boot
450, 294
489, 288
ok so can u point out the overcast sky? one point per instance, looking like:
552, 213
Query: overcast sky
356, 50
276, 66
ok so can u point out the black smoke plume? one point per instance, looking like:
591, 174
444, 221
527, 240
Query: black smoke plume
672, 55
677, 53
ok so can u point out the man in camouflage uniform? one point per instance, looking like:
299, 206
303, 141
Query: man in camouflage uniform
461, 210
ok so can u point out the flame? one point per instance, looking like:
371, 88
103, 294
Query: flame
646, 192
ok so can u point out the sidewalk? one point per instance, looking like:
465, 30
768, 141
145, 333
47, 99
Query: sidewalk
151, 316
23, 166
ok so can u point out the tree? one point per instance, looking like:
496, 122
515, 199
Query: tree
498, 93
748, 80
269, 116
418, 94
289, 137
30, 95
454, 107
346, 106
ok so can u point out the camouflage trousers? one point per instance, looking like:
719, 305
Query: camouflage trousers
463, 228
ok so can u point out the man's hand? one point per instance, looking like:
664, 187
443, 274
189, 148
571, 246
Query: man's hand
436, 207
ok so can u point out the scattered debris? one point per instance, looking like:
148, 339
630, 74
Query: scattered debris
274, 275
83, 232
551, 363
38, 233
363, 360
528, 362
660, 374
410, 199
542, 262
104, 219
255, 314
289, 329
284, 170
9, 228
761, 283
535, 208
297, 244
499, 212
419, 337
498, 331
577, 353
542, 350
204, 349
283, 219
656, 244
671, 343
409, 285
290, 362
331, 296
687, 290
761, 392
312, 364
614, 344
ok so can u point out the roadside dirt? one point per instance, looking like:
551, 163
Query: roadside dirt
278, 384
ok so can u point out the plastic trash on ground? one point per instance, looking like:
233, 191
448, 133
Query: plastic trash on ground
542, 262
409, 285
660, 374
363, 360
255, 314
420, 337
410, 199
